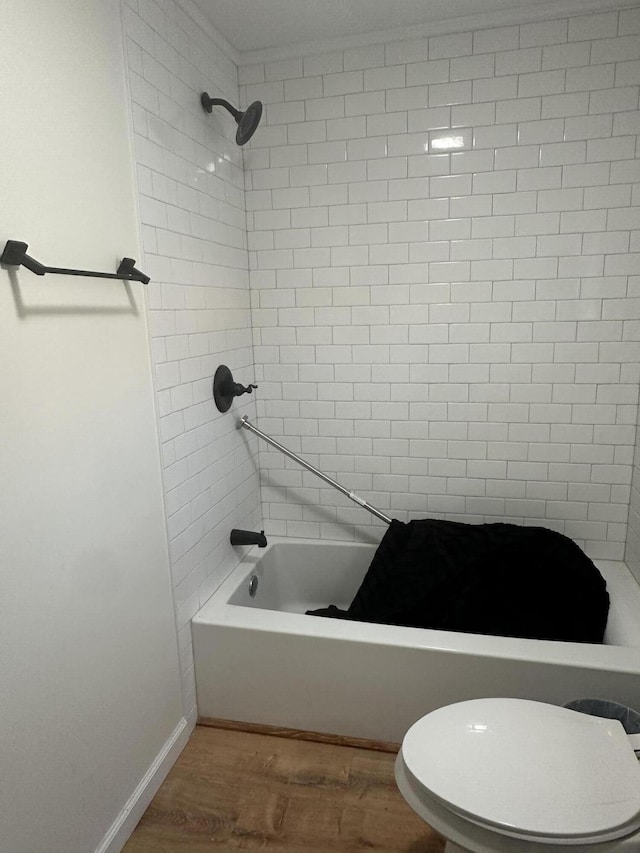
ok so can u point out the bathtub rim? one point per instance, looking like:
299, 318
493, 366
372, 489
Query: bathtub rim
219, 612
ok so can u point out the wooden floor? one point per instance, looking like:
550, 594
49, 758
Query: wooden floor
232, 790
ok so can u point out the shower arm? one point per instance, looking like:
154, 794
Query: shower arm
244, 422
208, 102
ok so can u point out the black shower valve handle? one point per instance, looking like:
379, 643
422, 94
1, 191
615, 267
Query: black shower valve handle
239, 389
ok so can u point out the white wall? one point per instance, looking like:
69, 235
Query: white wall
90, 699
451, 335
191, 191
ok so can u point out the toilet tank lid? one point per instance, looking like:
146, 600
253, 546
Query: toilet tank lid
528, 769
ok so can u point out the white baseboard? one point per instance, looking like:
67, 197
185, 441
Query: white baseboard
134, 808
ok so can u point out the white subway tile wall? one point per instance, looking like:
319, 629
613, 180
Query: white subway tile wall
451, 335
192, 210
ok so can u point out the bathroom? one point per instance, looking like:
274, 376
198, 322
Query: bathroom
450, 335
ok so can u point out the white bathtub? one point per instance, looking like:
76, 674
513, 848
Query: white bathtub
261, 660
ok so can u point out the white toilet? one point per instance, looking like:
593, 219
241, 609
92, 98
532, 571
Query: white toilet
516, 776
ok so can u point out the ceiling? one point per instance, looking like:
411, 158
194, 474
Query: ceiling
250, 25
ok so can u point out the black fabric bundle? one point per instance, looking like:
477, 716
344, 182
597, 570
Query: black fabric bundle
498, 579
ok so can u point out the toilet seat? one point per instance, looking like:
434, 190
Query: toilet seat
527, 770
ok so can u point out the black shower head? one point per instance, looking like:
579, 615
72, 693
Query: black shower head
247, 121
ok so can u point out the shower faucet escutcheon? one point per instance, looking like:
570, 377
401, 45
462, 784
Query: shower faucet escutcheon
225, 389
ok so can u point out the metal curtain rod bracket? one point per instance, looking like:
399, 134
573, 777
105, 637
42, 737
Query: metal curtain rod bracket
15, 255
244, 422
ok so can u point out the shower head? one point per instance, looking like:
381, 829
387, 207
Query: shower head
247, 121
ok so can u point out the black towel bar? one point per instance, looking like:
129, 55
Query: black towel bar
15, 254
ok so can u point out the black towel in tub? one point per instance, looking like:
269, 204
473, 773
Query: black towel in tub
498, 579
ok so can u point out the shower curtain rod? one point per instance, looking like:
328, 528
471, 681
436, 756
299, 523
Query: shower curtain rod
244, 422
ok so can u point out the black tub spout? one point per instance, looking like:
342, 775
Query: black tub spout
248, 537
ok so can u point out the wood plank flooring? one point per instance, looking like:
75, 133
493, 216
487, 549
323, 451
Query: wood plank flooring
234, 790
